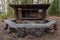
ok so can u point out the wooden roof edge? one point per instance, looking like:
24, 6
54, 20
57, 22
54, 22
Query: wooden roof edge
29, 5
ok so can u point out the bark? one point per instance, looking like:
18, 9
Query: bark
59, 6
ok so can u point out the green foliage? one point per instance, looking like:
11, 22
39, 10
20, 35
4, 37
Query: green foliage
54, 10
0, 15
22, 1
10, 13
27, 1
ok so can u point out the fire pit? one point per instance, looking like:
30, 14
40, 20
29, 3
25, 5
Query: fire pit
31, 19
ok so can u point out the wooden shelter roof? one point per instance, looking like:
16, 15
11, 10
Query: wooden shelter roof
30, 6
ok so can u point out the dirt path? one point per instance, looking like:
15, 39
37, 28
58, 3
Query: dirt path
5, 36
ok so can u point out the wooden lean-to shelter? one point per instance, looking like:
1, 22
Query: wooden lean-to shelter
30, 19
30, 11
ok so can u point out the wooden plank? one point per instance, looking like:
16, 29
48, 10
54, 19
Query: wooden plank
31, 25
10, 23
45, 25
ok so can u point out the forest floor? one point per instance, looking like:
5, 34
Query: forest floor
5, 36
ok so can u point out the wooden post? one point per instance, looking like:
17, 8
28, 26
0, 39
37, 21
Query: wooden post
16, 14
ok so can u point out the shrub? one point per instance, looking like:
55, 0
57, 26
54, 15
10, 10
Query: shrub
54, 10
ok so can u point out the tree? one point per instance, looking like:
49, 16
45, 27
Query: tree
10, 11
59, 6
54, 9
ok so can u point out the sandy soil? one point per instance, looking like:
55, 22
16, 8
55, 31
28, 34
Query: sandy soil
5, 36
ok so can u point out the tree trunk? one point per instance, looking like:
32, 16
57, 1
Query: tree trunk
59, 6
